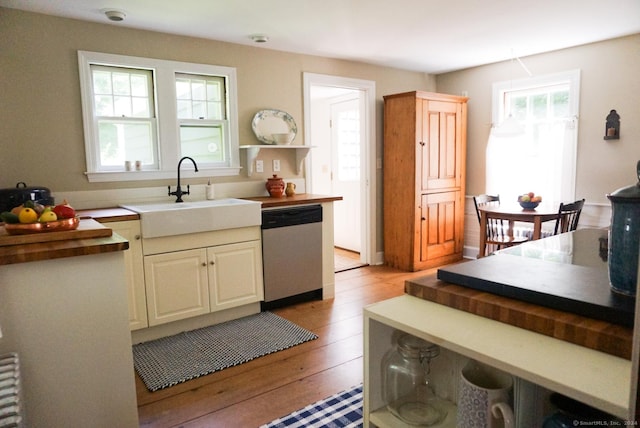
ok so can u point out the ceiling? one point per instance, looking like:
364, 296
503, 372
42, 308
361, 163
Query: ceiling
419, 35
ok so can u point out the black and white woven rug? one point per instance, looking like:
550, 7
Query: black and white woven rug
342, 410
171, 360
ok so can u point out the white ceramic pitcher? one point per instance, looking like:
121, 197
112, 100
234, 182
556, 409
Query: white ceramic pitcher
484, 397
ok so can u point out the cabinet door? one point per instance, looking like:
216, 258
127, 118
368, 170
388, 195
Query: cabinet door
440, 232
130, 230
177, 285
235, 274
440, 150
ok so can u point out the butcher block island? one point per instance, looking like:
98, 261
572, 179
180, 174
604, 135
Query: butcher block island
514, 329
63, 310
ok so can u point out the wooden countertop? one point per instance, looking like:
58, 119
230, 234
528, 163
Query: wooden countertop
602, 336
297, 199
105, 215
60, 249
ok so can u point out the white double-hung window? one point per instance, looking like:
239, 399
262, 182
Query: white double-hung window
541, 157
149, 112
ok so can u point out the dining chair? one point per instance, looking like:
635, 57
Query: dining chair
568, 216
497, 230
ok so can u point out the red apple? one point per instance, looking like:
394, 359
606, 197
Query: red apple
64, 210
531, 195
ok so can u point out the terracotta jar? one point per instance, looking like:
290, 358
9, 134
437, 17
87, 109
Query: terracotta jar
275, 186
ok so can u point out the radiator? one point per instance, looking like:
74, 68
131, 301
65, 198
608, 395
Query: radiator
10, 402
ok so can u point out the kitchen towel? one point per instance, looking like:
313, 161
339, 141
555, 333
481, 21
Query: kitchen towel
171, 360
342, 410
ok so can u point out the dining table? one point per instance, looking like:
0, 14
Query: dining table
513, 212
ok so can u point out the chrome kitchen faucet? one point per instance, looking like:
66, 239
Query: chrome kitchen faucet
178, 193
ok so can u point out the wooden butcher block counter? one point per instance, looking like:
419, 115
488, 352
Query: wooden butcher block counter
297, 199
544, 312
90, 237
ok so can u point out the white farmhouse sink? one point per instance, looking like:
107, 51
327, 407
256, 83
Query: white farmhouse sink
170, 218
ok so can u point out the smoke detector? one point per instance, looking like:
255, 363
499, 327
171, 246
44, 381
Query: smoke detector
260, 38
115, 15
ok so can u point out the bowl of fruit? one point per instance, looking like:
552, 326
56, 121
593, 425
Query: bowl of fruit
529, 201
35, 218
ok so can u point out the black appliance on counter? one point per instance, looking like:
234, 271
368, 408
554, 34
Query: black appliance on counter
12, 197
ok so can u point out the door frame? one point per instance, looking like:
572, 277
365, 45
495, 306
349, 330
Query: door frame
368, 177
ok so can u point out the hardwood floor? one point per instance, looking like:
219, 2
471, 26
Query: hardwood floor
264, 389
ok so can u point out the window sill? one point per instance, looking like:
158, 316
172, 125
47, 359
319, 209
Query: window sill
104, 177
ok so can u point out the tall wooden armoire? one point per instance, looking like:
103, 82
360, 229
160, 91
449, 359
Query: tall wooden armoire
425, 137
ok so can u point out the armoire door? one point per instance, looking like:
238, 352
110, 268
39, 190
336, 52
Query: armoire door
439, 152
440, 226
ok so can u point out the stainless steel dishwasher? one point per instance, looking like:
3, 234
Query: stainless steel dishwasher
292, 255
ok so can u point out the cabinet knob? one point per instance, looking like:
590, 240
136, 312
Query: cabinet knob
137, 237
204, 264
422, 218
212, 263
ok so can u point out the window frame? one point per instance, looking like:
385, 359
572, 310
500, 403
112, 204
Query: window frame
570, 77
168, 125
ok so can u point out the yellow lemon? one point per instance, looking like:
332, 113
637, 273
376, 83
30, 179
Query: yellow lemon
28, 215
47, 216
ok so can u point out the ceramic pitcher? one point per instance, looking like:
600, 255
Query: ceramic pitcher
290, 190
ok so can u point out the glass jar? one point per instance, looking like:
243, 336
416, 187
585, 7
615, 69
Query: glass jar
406, 389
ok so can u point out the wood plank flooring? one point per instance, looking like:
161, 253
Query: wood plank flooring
264, 389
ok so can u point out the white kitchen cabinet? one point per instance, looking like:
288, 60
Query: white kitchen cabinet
537, 362
235, 275
191, 275
136, 294
177, 285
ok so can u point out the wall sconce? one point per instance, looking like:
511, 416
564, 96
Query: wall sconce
612, 130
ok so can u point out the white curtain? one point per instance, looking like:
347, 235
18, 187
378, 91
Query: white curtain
540, 161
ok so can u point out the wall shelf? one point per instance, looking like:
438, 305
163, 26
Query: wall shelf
254, 150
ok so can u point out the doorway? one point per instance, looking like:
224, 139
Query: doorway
340, 125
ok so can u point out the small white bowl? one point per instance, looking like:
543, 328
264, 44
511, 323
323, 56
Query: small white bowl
283, 139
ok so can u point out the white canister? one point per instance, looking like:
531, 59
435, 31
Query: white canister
484, 397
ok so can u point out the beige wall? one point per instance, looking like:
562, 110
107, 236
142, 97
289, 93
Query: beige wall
42, 134
609, 80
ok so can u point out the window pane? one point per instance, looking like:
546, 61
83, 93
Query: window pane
140, 107
203, 143
102, 82
539, 103
139, 85
125, 141
205, 94
184, 109
519, 107
122, 106
104, 105
560, 103
183, 89
349, 146
198, 90
121, 84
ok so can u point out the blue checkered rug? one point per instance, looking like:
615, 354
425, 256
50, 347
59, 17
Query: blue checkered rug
343, 410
